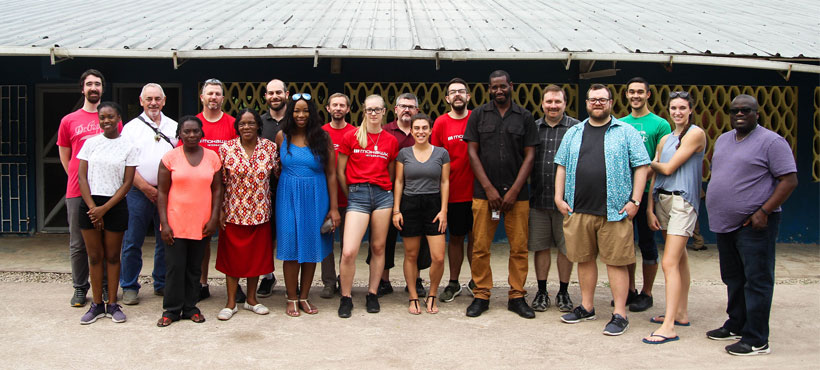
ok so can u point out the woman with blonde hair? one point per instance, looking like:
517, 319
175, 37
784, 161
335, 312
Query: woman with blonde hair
365, 171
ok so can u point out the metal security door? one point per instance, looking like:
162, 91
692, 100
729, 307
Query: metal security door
15, 184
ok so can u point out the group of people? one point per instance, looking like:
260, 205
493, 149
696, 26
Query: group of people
286, 181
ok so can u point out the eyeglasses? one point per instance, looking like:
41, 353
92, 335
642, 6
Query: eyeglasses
678, 94
459, 91
745, 110
373, 110
598, 100
304, 96
406, 107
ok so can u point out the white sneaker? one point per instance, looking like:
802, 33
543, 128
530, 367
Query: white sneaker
258, 309
226, 313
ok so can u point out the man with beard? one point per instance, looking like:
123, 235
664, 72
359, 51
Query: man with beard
217, 126
652, 128
545, 223
501, 138
753, 173
276, 95
75, 129
448, 132
601, 173
338, 105
154, 134
407, 106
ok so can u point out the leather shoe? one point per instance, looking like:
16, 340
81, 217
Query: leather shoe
519, 306
478, 307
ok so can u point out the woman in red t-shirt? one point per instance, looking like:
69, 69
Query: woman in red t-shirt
365, 171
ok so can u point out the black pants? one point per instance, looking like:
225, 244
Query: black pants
424, 260
183, 262
646, 236
747, 269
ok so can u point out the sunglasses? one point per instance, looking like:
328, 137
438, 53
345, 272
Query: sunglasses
745, 111
213, 81
304, 96
679, 94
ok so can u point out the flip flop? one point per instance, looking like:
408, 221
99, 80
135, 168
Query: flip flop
665, 339
659, 320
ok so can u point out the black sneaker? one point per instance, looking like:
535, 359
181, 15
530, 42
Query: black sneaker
452, 291
743, 349
78, 299
578, 314
563, 302
629, 298
478, 307
722, 333
641, 303
384, 288
345, 307
372, 303
419, 288
266, 287
519, 306
105, 294
616, 326
541, 301
240, 295
204, 292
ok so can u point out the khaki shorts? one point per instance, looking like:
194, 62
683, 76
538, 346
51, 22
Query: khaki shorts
675, 215
588, 236
546, 230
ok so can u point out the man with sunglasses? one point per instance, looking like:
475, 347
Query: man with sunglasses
599, 179
501, 138
217, 127
407, 106
154, 134
753, 173
276, 97
652, 128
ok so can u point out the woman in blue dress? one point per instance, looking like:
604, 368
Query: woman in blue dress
305, 199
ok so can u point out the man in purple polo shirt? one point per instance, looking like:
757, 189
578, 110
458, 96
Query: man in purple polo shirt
753, 173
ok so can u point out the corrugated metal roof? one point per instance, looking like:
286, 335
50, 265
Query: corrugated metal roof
761, 29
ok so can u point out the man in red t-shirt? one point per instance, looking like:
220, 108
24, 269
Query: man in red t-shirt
407, 106
338, 105
448, 131
218, 128
75, 129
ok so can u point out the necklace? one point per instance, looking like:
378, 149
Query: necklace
376, 143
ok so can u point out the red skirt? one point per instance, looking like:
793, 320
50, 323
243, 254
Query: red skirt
245, 251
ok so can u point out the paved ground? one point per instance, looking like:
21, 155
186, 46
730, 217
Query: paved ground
41, 331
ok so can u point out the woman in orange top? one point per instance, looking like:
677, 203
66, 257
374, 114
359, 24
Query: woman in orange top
188, 200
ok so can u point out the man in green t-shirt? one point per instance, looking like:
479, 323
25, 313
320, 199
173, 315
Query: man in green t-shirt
652, 128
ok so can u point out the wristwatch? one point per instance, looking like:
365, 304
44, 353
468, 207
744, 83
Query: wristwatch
637, 203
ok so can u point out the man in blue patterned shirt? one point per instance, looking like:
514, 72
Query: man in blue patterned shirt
599, 180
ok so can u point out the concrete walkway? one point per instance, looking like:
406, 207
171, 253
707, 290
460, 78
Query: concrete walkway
40, 330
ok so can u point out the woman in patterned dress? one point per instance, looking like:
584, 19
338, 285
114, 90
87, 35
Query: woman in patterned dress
305, 199
245, 243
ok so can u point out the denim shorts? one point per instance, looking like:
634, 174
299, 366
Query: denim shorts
366, 198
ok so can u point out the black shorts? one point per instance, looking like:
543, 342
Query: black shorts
460, 218
418, 212
116, 219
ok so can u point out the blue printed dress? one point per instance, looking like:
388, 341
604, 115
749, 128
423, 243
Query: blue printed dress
302, 203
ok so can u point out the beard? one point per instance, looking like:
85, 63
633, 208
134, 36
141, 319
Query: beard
273, 106
93, 98
599, 114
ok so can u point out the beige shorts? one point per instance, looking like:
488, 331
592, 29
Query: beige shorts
546, 230
675, 215
588, 236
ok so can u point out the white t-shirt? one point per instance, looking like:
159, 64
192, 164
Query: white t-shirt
107, 159
151, 149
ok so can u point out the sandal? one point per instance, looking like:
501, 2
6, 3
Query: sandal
414, 310
295, 311
311, 309
164, 321
433, 308
198, 318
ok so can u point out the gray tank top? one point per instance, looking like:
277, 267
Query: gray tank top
687, 179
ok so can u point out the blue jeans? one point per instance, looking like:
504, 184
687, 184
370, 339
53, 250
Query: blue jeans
141, 211
747, 269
